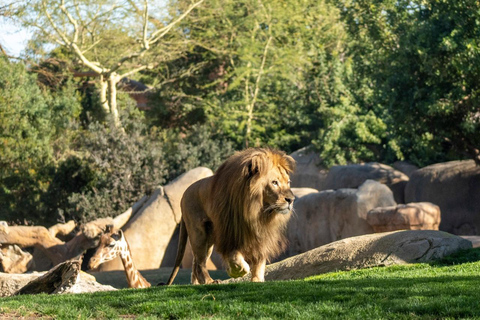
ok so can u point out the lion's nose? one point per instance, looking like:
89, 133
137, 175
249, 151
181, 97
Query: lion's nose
289, 200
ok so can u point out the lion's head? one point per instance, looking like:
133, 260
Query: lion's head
252, 202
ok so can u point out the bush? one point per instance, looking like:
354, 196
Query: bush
34, 128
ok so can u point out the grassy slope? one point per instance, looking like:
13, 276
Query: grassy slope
449, 289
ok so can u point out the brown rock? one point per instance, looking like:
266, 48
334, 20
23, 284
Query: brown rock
453, 186
327, 216
412, 216
352, 176
15, 260
309, 172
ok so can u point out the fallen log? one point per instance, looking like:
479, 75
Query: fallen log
57, 280
56, 250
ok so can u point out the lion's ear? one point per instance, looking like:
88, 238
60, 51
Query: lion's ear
291, 164
255, 165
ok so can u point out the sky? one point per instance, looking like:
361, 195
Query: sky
13, 38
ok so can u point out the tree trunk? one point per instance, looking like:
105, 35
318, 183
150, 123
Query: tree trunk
103, 95
112, 97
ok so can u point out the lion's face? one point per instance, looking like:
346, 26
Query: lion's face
277, 195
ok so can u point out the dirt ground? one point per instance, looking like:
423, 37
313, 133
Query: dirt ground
118, 280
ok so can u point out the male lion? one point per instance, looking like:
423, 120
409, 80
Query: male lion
242, 209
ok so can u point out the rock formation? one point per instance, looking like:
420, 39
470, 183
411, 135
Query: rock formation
379, 249
327, 216
352, 176
411, 216
453, 186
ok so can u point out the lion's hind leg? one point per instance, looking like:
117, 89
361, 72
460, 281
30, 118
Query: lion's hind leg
202, 247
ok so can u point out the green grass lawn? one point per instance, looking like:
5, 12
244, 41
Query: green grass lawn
448, 289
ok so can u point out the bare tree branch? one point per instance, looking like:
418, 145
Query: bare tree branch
72, 21
157, 35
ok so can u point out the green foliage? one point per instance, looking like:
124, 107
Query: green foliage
420, 62
415, 291
200, 147
272, 74
34, 126
361, 81
114, 167
117, 167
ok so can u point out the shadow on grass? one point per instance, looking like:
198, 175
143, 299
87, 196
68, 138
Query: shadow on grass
463, 256
441, 296
445, 289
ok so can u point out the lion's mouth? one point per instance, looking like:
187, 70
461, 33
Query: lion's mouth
285, 209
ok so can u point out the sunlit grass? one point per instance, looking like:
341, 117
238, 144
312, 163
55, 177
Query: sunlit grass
447, 289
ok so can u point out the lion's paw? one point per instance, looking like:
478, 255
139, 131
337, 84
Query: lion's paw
236, 270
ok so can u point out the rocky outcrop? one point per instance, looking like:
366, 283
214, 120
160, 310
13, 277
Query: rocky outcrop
411, 216
63, 278
15, 260
300, 192
379, 249
309, 172
352, 176
455, 188
405, 167
151, 232
327, 216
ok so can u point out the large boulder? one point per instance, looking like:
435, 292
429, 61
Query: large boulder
453, 186
309, 172
300, 192
405, 167
379, 249
327, 216
151, 232
352, 176
411, 216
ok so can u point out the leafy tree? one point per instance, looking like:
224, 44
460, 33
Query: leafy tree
272, 73
33, 128
107, 39
419, 61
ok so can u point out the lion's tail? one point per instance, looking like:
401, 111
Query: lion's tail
182, 244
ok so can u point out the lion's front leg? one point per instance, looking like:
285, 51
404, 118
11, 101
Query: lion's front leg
237, 266
258, 271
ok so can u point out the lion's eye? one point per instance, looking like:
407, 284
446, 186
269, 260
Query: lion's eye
275, 183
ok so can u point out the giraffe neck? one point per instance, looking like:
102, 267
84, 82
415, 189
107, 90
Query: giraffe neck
134, 278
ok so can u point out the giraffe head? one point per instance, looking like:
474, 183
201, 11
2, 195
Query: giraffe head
112, 244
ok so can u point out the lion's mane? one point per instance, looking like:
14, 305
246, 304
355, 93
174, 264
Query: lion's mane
236, 203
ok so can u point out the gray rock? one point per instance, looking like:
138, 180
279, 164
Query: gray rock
309, 172
453, 186
60, 279
300, 192
327, 216
405, 167
352, 176
380, 249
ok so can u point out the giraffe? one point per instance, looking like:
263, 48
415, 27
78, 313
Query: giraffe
113, 244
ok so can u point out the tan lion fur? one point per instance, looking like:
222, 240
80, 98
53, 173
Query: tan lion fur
242, 209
